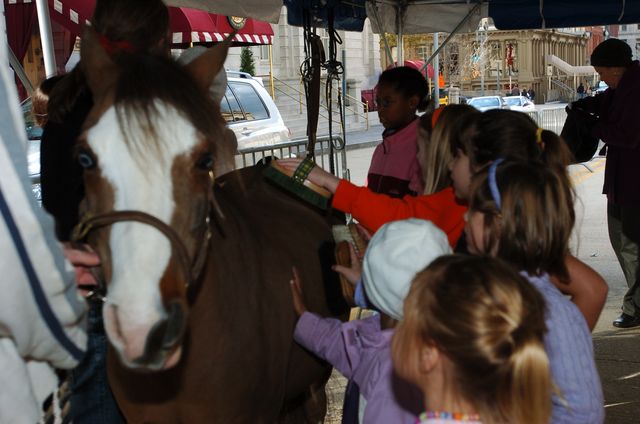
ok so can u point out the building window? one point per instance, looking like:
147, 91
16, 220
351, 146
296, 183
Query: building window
623, 28
424, 52
452, 64
264, 52
511, 57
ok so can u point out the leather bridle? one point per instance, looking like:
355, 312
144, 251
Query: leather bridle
191, 269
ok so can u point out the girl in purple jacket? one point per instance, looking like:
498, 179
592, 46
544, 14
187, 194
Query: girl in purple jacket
360, 349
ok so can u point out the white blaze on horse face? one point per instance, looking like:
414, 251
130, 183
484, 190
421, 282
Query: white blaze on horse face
140, 175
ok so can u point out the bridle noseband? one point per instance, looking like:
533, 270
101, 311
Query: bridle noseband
190, 269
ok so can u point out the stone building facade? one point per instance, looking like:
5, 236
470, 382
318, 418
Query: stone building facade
491, 61
362, 61
631, 35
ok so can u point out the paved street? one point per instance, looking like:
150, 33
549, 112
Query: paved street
617, 351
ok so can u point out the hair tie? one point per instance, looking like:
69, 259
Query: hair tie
112, 47
539, 136
493, 185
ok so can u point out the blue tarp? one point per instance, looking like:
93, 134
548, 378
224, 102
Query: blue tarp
348, 15
527, 14
507, 14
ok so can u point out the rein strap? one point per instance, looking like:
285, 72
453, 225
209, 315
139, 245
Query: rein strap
90, 223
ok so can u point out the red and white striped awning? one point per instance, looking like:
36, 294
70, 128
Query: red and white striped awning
213, 37
187, 25
196, 26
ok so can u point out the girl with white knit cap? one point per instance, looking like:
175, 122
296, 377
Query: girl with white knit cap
360, 349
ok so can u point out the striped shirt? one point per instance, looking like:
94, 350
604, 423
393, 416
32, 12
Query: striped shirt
570, 350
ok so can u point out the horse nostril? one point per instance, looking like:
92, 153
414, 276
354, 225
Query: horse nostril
163, 337
175, 325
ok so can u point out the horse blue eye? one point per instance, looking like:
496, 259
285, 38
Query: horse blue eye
205, 162
85, 160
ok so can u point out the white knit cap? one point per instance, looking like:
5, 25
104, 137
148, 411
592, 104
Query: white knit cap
219, 84
395, 254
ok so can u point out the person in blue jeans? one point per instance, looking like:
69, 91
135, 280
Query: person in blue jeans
91, 397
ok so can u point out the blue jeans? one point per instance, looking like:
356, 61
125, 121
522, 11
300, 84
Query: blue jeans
91, 398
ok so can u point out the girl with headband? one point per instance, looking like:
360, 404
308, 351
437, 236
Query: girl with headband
522, 212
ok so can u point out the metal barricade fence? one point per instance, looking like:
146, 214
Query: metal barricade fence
550, 119
298, 148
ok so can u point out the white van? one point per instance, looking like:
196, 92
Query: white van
247, 107
251, 113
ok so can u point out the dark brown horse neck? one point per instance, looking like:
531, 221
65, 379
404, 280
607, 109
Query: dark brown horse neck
240, 363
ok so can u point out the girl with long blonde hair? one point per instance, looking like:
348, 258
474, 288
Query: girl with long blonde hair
472, 341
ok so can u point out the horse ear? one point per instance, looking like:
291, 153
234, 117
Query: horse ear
206, 66
100, 71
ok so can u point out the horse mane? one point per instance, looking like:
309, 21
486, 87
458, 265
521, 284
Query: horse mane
147, 80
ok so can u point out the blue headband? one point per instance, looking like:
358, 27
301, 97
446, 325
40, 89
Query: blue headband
493, 186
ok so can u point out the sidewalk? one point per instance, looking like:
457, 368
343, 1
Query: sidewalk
617, 350
365, 138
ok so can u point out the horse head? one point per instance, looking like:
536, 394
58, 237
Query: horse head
149, 150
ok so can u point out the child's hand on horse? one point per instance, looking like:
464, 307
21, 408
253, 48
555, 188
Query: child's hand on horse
317, 175
296, 293
353, 272
365, 235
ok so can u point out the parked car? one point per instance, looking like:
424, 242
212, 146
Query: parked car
34, 133
247, 107
488, 102
600, 88
251, 113
520, 103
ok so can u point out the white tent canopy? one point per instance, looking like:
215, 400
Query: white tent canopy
424, 16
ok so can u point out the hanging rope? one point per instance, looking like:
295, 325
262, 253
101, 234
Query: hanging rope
334, 71
310, 72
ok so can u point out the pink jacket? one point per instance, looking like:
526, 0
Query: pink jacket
394, 168
361, 351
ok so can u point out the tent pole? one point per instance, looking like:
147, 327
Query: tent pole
383, 33
436, 73
454, 32
273, 91
46, 38
400, 32
19, 70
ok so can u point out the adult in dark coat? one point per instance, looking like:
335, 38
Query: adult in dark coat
618, 125
531, 94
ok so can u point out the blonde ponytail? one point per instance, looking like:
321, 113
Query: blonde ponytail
526, 399
494, 340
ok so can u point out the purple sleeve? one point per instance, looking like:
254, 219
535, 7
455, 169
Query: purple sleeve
383, 408
569, 347
359, 297
324, 337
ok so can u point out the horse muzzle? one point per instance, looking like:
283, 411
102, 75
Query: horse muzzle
160, 349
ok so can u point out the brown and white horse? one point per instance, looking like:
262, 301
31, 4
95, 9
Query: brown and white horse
198, 308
